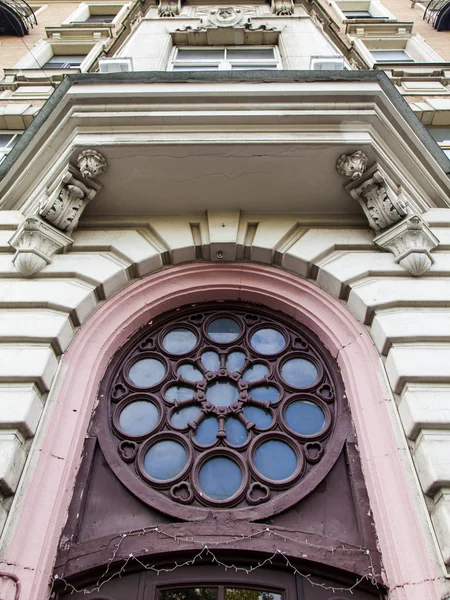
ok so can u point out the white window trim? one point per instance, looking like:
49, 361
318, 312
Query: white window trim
83, 12
415, 46
44, 50
225, 65
376, 9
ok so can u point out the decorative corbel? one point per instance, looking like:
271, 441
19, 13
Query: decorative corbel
169, 8
42, 235
35, 243
381, 203
64, 206
411, 242
399, 231
283, 8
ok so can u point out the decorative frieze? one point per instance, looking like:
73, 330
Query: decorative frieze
169, 8
352, 165
381, 203
35, 243
226, 26
411, 242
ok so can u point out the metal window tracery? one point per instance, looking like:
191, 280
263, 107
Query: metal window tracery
222, 406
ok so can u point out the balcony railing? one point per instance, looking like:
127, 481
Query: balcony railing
437, 13
16, 17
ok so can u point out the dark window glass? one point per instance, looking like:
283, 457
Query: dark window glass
64, 61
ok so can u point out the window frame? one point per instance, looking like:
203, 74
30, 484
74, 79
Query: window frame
224, 64
45, 50
409, 60
5, 150
79, 16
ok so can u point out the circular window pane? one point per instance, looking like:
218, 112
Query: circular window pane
275, 460
255, 372
138, 417
181, 418
211, 360
268, 341
178, 393
224, 330
179, 341
206, 432
299, 372
165, 460
147, 372
265, 393
305, 418
220, 478
261, 418
235, 361
222, 393
237, 434
189, 372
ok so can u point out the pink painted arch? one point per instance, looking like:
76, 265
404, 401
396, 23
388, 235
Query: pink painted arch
410, 571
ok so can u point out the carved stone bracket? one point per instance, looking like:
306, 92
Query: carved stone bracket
399, 231
227, 26
381, 203
283, 8
169, 8
64, 207
411, 242
35, 243
41, 235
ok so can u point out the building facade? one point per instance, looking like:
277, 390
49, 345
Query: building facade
224, 315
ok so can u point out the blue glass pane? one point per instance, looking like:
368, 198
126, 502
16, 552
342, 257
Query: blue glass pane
206, 432
299, 372
222, 393
236, 432
182, 417
305, 418
255, 373
165, 460
178, 392
224, 330
211, 360
235, 361
147, 372
189, 372
138, 417
265, 393
179, 341
220, 478
275, 460
261, 418
268, 341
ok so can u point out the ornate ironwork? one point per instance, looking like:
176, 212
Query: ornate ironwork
437, 13
16, 17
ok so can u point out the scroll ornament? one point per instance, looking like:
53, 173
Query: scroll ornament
47, 232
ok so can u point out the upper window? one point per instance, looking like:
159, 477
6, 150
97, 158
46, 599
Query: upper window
64, 61
357, 14
7, 143
233, 58
391, 56
102, 18
227, 406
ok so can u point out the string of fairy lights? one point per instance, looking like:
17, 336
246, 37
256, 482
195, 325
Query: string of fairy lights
206, 552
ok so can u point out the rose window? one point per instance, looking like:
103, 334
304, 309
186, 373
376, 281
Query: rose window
222, 406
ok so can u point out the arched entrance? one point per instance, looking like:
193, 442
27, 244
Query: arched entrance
403, 549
